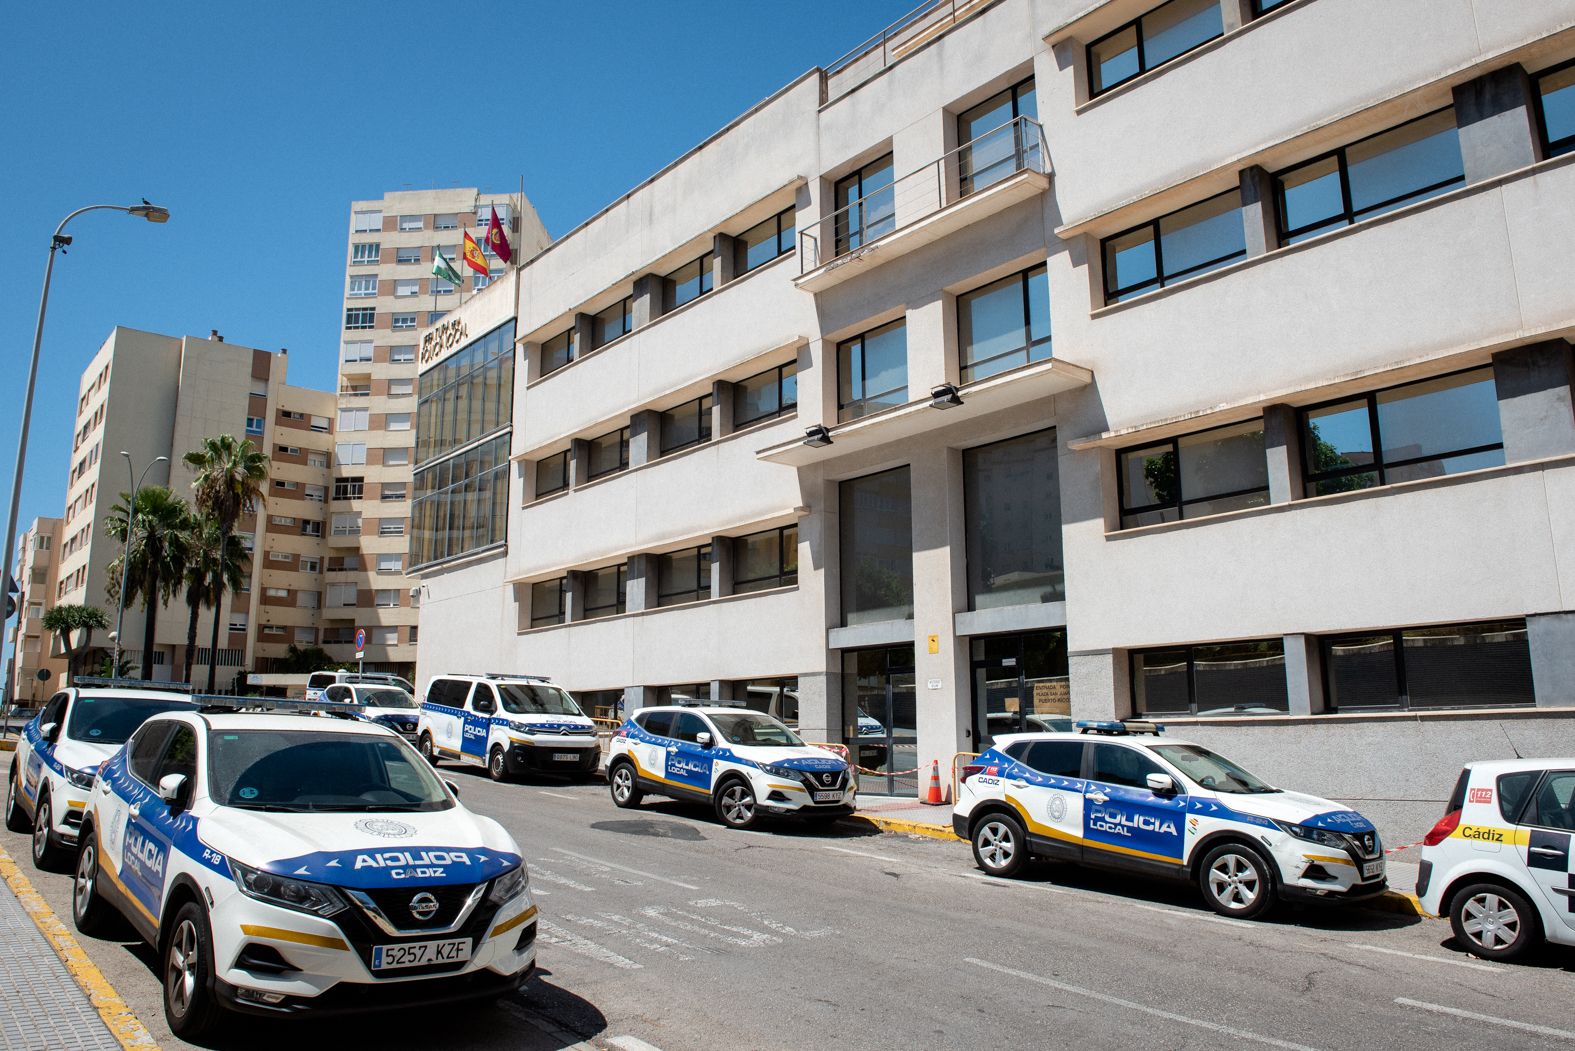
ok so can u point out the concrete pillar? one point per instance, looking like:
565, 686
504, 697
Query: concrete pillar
820, 704
530, 355
722, 691
573, 597
1535, 407
1496, 115
1551, 637
579, 462
1100, 684
1304, 675
640, 586
942, 688
721, 409
721, 566
927, 343
645, 437
584, 334
1235, 14
1283, 450
527, 481
650, 299
724, 260
637, 697
1257, 211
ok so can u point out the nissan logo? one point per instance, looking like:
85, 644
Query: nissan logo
826, 779
423, 905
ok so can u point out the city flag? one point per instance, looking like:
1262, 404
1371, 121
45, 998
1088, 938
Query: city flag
445, 269
497, 240
473, 256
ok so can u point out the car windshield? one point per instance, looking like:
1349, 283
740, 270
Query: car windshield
753, 728
110, 720
523, 698
302, 770
385, 698
1212, 770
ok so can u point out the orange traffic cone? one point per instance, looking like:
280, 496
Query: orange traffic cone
933, 796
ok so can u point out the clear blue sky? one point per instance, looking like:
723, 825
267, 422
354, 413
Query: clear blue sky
257, 124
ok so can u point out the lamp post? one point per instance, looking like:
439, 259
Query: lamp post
153, 214
125, 555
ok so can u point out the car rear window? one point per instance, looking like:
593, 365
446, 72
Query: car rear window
110, 720
1056, 758
658, 724
1512, 792
1457, 798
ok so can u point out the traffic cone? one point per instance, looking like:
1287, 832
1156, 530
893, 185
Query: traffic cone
933, 796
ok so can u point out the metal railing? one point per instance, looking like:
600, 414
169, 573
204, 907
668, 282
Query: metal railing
1016, 146
917, 27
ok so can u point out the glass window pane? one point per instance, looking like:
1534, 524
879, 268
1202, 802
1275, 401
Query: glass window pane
1130, 263
755, 398
1114, 59
1439, 416
1240, 678
1557, 94
992, 324
1310, 196
1159, 682
1202, 236
1178, 27
886, 363
1445, 466
876, 532
1039, 313
1391, 167
790, 385
1223, 460
1338, 436
1469, 665
1361, 672
1013, 502
1117, 764
757, 562
1148, 476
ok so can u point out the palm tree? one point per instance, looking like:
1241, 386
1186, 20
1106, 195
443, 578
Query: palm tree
66, 621
231, 476
156, 554
214, 563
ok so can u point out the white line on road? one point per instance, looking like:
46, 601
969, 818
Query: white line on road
555, 795
867, 854
541, 875
744, 937
552, 934
1525, 1027
631, 1043
622, 927
1427, 959
1170, 1016
623, 868
1194, 915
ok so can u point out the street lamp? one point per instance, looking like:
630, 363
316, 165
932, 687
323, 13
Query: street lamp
153, 214
125, 554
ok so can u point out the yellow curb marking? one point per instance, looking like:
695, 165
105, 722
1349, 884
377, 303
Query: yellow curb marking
917, 828
111, 1008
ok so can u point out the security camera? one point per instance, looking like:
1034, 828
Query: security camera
415, 592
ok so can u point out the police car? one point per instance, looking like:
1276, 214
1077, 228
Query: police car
1499, 863
282, 865
1121, 795
745, 763
377, 703
59, 750
511, 724
318, 682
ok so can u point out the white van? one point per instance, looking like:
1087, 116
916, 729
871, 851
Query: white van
511, 724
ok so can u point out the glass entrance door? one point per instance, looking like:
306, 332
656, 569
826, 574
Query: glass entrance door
880, 718
1020, 684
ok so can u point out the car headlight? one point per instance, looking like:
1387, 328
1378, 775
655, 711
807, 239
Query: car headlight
288, 892
81, 778
523, 728
784, 772
1314, 835
508, 886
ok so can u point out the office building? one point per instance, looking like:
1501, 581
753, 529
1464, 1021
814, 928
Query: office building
32, 647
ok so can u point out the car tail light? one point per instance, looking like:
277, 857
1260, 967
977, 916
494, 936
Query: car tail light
1442, 831
971, 769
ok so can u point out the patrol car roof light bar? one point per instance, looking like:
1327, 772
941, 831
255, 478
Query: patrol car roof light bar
226, 703
1119, 728
513, 675
130, 684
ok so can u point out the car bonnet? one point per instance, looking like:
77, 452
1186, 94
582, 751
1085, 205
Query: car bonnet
1297, 808
794, 758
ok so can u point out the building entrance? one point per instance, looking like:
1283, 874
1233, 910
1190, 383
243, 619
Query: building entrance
1020, 684
880, 718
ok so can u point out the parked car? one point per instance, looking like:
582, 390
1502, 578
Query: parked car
319, 681
510, 724
389, 705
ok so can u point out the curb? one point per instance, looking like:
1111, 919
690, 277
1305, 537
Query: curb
117, 1017
1397, 901
7, 744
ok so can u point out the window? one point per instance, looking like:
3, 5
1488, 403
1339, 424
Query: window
1230, 678
341, 595
466, 396
604, 591
609, 453
284, 483
306, 636
361, 285
1117, 764
691, 281
402, 388
386, 598
276, 592
1263, 7
390, 527
552, 474
1425, 429
687, 424
1056, 758
410, 222
407, 287
357, 351
1461, 666
1004, 324
1556, 108
237, 622
403, 321
765, 394
546, 602
354, 419
392, 491
344, 563
254, 425
311, 528
617, 320
765, 241
683, 576
480, 281
360, 317
445, 221
1224, 469
390, 563
1012, 500
287, 450
281, 556
875, 523
350, 453
1167, 32
996, 143
308, 599
559, 351
866, 205
460, 504
320, 424
364, 253
765, 560
348, 488
1199, 238
872, 371
1417, 160
402, 355
414, 635
408, 255
309, 564
399, 457
346, 525
440, 287
396, 421
366, 222
273, 629
385, 636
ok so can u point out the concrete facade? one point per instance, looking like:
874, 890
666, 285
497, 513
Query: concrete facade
32, 647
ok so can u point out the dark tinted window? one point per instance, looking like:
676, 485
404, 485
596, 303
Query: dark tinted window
1554, 804
483, 699
309, 770
146, 750
54, 711
180, 755
110, 720
1056, 758
1512, 792
658, 724
1017, 750
1013, 498
450, 693
1119, 765
688, 727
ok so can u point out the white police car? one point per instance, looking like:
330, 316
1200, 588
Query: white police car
510, 724
377, 703
1120, 795
59, 750
281, 865
319, 681
744, 763
1499, 863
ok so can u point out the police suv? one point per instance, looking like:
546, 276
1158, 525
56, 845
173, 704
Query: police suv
59, 750
280, 865
745, 763
1121, 795
376, 703
510, 724
319, 681
1500, 862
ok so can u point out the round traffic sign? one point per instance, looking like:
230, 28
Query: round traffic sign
360, 639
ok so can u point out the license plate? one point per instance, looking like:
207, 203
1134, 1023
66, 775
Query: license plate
1372, 869
565, 757
828, 797
419, 954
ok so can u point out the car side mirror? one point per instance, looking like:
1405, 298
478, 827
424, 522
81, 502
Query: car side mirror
172, 789
703, 738
49, 731
1161, 784
451, 786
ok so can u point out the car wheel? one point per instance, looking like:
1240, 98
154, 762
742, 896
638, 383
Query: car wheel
1237, 881
497, 764
424, 746
189, 1004
1494, 922
735, 804
88, 908
1000, 847
15, 817
625, 793
46, 854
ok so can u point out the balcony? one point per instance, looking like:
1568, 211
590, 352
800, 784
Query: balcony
972, 182
894, 43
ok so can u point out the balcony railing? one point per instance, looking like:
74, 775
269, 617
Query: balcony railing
1016, 146
910, 32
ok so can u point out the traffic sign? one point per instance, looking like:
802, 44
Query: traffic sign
360, 640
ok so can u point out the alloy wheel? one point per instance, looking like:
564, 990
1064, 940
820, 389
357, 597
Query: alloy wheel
87, 874
1491, 921
41, 829
997, 845
738, 804
1235, 881
622, 784
180, 972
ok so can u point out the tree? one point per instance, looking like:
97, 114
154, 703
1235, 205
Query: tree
125, 670
156, 556
67, 620
230, 481
214, 563
299, 660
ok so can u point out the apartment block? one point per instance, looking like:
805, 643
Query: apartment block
32, 647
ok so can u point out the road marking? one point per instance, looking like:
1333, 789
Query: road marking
764, 921
1525, 1027
740, 936
631, 1043
867, 854
552, 934
1169, 1016
1428, 959
997, 881
555, 795
1193, 915
541, 875
623, 927
623, 868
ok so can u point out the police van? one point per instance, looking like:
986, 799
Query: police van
1122, 795
745, 763
510, 724
61, 747
281, 865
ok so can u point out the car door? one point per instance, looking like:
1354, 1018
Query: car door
1550, 862
650, 752
143, 847
42, 751
1124, 822
1050, 792
688, 761
478, 722
444, 709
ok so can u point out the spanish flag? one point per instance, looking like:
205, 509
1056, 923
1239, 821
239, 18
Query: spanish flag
473, 256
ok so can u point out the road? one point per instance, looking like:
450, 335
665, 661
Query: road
660, 926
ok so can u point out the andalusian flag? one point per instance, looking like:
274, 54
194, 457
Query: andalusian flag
473, 256
445, 269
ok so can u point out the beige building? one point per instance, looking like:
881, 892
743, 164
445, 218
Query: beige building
391, 295
32, 647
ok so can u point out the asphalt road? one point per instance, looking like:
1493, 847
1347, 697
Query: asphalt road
662, 929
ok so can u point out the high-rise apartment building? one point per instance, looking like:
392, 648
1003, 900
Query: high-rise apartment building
32, 647
391, 295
